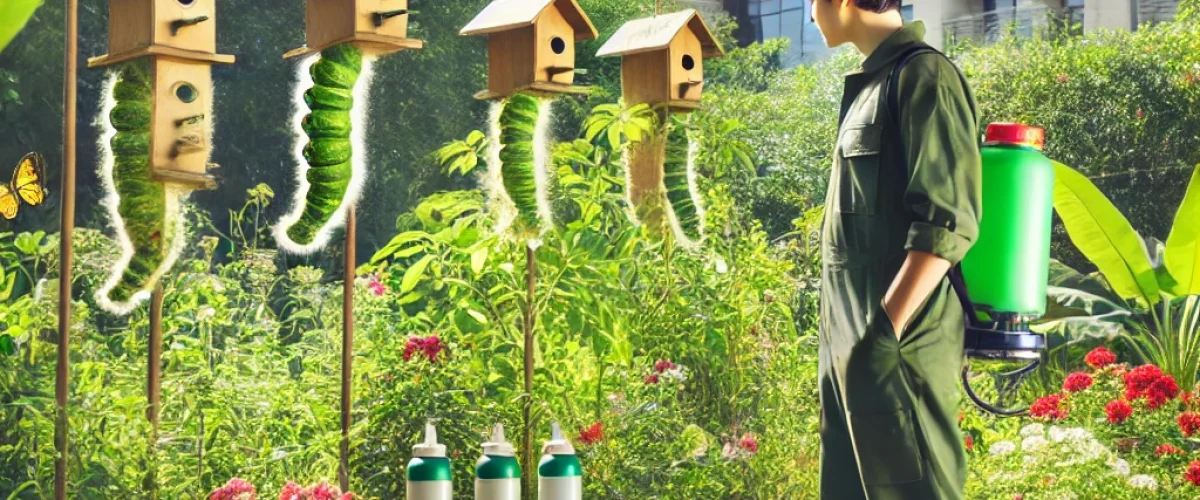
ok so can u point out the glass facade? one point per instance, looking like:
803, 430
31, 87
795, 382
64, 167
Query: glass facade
770, 19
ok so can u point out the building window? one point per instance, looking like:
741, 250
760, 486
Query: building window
789, 19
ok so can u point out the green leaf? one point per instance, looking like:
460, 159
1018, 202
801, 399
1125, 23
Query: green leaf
14, 14
413, 275
1104, 236
8, 345
1183, 245
478, 259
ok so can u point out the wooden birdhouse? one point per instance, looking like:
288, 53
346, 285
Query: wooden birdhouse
180, 28
662, 59
531, 45
179, 39
375, 26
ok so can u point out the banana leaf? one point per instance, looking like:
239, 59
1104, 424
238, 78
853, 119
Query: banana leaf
1183, 245
14, 14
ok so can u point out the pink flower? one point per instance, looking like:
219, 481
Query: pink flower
292, 491
1062, 78
377, 287
652, 379
235, 489
663, 366
749, 443
324, 491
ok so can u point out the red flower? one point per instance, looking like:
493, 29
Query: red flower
1167, 449
1140, 114
1100, 357
431, 346
1062, 78
1186, 397
652, 379
1118, 411
749, 443
593, 434
1018, 496
1139, 380
1049, 407
663, 365
1189, 423
1077, 381
969, 442
1161, 391
1193, 473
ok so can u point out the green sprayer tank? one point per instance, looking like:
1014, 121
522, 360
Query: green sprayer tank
1007, 269
1008, 266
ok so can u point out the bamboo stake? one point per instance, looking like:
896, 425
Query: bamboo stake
527, 440
154, 385
347, 347
66, 247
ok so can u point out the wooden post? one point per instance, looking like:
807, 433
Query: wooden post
347, 347
66, 248
530, 305
154, 386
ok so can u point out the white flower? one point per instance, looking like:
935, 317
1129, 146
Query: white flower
679, 373
1030, 459
1001, 448
1034, 429
1033, 443
1142, 481
206, 313
1079, 434
722, 267
1120, 466
1058, 434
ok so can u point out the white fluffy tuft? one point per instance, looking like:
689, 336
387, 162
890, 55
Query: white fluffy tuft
499, 202
697, 200
543, 162
358, 159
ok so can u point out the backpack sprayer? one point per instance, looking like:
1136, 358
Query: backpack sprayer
1008, 267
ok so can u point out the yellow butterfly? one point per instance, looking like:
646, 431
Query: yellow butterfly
28, 185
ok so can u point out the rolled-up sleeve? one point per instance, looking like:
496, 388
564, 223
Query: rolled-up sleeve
940, 129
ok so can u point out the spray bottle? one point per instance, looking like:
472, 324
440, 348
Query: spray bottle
429, 470
497, 473
560, 476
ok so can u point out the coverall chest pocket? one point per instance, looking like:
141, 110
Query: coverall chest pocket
858, 160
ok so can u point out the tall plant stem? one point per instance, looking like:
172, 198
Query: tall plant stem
530, 304
347, 347
66, 247
154, 387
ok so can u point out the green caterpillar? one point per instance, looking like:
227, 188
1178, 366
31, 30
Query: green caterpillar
676, 176
329, 150
518, 127
142, 205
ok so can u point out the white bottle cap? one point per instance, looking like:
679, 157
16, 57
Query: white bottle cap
498, 446
430, 448
557, 445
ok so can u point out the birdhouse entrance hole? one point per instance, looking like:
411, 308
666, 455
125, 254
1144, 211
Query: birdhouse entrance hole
558, 45
689, 63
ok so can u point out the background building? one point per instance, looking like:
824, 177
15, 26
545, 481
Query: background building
948, 21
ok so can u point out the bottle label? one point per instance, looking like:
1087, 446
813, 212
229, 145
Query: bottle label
497, 489
560, 488
430, 490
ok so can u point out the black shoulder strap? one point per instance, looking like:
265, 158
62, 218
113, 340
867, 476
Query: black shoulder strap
893, 108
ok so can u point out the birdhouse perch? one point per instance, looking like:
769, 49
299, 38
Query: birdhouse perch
376, 27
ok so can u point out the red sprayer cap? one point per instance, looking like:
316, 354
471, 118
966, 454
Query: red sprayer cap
1015, 134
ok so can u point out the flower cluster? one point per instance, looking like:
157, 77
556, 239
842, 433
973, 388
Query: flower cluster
1077, 382
1100, 358
1117, 411
593, 434
320, 491
1189, 423
1049, 407
665, 369
376, 287
1167, 449
431, 346
235, 489
1149, 382
742, 448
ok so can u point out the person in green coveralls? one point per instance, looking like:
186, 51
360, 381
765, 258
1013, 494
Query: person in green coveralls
903, 207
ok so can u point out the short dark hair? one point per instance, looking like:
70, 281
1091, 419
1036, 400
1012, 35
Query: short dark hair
877, 6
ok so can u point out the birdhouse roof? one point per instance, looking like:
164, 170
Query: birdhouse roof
504, 15
657, 33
